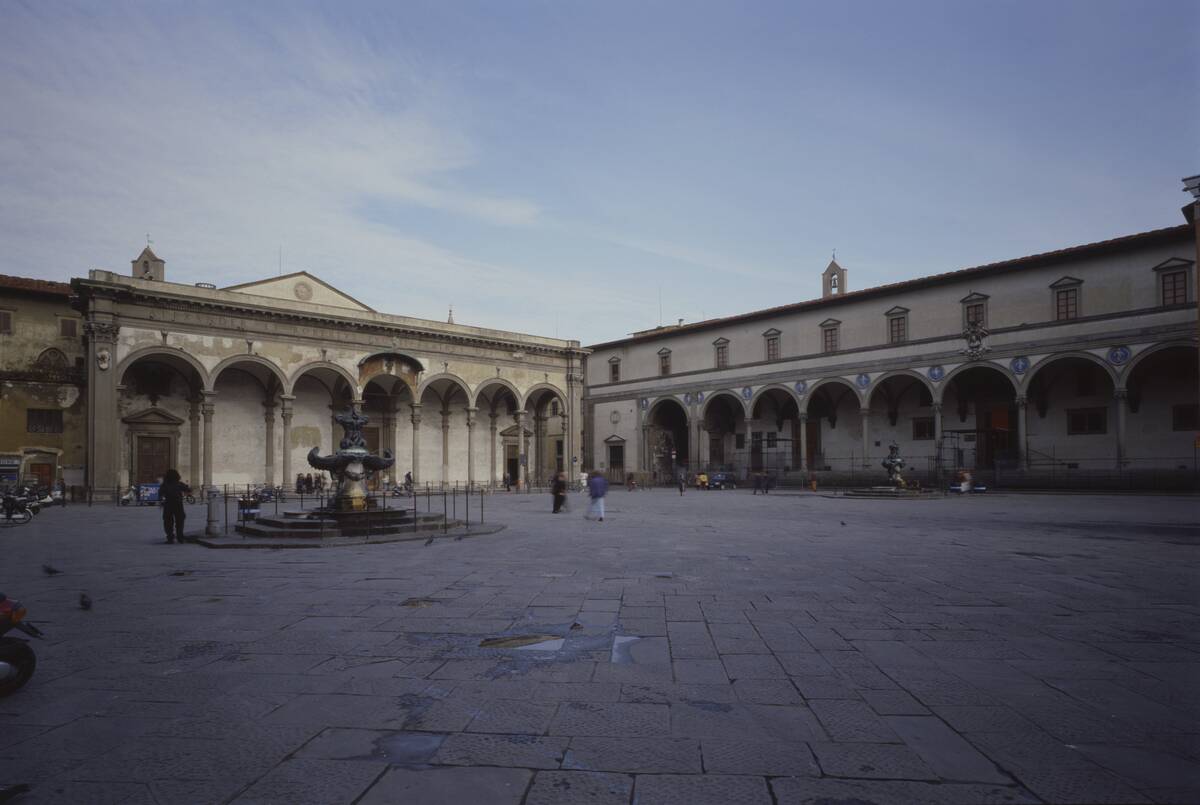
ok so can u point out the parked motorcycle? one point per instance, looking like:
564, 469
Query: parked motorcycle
17, 659
14, 511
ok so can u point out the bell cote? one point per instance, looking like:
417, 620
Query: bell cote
147, 266
833, 280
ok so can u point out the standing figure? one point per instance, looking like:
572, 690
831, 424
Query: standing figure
682, 483
171, 494
507, 483
758, 482
597, 489
559, 490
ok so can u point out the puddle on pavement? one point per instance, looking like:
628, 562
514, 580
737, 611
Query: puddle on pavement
410, 749
533, 641
622, 650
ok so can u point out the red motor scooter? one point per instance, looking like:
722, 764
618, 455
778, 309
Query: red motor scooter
17, 659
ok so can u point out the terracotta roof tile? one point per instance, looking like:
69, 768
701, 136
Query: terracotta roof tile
31, 285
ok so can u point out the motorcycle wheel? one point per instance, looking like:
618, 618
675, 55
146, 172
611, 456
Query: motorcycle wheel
17, 662
19, 517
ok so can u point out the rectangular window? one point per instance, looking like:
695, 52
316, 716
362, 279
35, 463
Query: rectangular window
1174, 288
977, 314
5, 322
922, 428
664, 364
1066, 304
773, 348
772, 438
1185, 417
897, 329
68, 328
1087, 421
44, 420
830, 338
614, 372
722, 356
739, 441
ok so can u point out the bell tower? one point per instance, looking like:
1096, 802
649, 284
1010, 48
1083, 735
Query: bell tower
833, 280
147, 266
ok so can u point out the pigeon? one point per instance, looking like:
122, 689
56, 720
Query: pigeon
85, 601
429, 541
843, 522
50, 571
12, 792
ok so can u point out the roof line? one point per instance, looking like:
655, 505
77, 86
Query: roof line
312, 277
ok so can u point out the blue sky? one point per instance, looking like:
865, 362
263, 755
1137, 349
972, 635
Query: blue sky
548, 167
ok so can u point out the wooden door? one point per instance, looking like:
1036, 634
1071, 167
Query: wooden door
813, 447
43, 472
616, 463
153, 458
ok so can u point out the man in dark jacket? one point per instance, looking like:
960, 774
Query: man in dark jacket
171, 494
560, 491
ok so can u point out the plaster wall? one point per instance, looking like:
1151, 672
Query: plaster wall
239, 441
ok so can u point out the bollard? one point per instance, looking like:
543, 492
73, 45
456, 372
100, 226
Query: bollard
210, 527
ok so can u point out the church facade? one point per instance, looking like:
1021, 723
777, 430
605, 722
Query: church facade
1077, 362
235, 385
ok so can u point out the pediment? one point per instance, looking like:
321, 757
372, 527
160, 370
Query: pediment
614, 359
1173, 263
771, 332
897, 311
1066, 282
830, 323
720, 342
300, 286
614, 439
153, 416
512, 432
974, 296
664, 351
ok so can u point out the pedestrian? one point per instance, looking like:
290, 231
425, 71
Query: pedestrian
171, 494
408, 481
682, 483
299, 483
309, 486
758, 482
507, 483
559, 489
597, 489
62, 492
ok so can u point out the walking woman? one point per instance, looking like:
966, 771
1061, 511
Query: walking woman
560, 491
171, 494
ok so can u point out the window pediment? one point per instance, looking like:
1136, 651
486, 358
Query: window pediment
830, 323
897, 311
1066, 282
153, 416
771, 332
1173, 264
974, 296
614, 439
614, 359
720, 342
664, 351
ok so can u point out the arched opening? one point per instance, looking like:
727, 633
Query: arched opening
1071, 416
902, 413
834, 435
979, 420
387, 402
667, 440
440, 455
724, 420
546, 410
1164, 416
158, 401
247, 407
321, 392
497, 402
774, 433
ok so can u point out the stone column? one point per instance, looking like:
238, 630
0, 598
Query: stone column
492, 449
285, 416
445, 446
269, 463
1022, 433
937, 425
194, 452
1122, 399
522, 458
470, 446
702, 446
866, 435
539, 448
207, 408
104, 424
416, 442
804, 441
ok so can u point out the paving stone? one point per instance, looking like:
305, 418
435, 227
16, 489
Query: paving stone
878, 761
338, 743
767, 758
752, 666
984, 719
438, 786
767, 691
582, 787
339, 710
698, 719
612, 719
663, 693
893, 703
512, 717
825, 687
304, 781
578, 692
707, 789
852, 721
701, 672
829, 791
635, 755
949, 755
525, 751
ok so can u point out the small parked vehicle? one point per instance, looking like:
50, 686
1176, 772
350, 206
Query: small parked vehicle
722, 480
17, 659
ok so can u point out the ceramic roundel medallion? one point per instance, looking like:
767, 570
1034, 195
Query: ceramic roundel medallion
747, 392
1118, 355
936, 373
1019, 365
303, 291
801, 386
699, 396
863, 381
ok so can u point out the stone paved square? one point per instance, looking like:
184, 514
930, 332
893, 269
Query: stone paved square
715, 647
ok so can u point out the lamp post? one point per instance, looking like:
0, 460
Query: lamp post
1191, 184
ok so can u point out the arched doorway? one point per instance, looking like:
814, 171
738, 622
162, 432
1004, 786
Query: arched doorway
774, 432
1164, 415
834, 439
320, 392
979, 419
498, 401
442, 432
724, 420
902, 413
1071, 415
159, 397
247, 399
667, 440
546, 409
